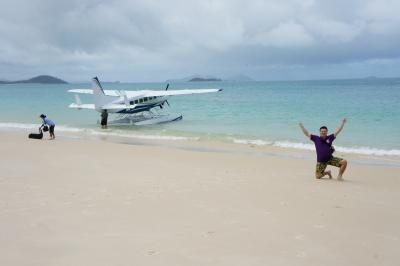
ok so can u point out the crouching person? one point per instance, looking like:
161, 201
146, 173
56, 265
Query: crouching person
50, 124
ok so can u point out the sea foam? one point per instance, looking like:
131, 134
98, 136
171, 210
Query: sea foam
112, 133
307, 146
11, 126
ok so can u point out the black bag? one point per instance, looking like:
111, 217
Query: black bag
332, 149
36, 135
45, 128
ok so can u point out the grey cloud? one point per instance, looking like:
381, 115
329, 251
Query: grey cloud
155, 40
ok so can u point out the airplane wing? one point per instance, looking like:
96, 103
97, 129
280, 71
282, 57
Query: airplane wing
90, 91
146, 93
149, 93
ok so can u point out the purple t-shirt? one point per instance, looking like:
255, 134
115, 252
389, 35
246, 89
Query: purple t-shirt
323, 147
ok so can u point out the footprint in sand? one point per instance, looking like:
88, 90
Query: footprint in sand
209, 233
299, 237
151, 252
301, 254
319, 226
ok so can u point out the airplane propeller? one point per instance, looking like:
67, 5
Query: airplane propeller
166, 101
125, 98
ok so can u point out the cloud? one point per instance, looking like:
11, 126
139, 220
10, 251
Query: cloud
285, 35
156, 40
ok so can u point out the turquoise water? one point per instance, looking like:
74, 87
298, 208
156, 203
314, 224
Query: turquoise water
263, 113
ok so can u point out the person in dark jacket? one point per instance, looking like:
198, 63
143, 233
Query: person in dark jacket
104, 118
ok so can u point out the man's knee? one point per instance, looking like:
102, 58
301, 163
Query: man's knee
343, 162
318, 175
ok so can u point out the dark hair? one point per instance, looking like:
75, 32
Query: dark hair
323, 127
42, 116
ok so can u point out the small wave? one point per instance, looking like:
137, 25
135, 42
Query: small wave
356, 150
369, 151
19, 126
25, 126
137, 136
257, 142
68, 129
305, 146
294, 145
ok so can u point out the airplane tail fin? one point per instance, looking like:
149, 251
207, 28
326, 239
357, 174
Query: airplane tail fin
100, 98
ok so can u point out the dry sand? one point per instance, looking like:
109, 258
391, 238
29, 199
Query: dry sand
92, 202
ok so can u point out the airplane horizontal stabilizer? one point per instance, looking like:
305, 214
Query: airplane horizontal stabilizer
117, 106
82, 106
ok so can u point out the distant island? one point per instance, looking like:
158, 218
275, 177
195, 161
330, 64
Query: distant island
201, 78
42, 79
204, 79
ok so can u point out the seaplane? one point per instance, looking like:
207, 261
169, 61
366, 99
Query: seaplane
138, 107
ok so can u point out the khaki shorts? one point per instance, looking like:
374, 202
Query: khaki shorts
334, 161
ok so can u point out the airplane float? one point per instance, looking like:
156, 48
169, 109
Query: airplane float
132, 107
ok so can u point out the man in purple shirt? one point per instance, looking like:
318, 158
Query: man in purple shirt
323, 146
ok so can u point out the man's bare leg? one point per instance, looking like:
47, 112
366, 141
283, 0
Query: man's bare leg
328, 173
343, 165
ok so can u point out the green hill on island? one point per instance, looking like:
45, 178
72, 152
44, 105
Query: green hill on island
42, 79
204, 79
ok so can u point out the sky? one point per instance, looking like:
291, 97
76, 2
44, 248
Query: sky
148, 40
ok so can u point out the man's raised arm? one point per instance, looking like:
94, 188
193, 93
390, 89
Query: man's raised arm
304, 130
337, 131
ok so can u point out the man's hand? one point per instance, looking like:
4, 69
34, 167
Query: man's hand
337, 131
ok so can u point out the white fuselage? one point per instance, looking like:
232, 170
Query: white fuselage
136, 105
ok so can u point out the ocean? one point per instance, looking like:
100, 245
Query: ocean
258, 113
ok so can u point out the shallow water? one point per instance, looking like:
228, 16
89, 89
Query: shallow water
259, 113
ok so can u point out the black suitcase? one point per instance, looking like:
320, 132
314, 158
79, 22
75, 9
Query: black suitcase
36, 135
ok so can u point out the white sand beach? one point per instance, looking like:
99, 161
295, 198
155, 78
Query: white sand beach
94, 202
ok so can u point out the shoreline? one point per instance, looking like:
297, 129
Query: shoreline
199, 144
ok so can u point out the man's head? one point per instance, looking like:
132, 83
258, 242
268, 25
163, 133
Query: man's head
323, 132
42, 116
